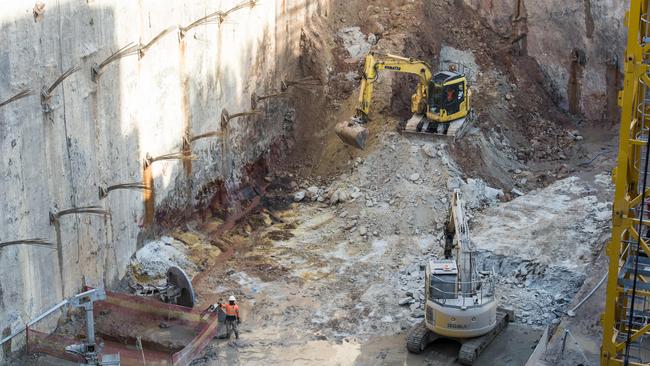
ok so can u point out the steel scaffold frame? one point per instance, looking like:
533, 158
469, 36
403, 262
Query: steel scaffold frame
626, 320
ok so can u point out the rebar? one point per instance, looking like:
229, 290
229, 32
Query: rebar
46, 92
306, 84
129, 49
305, 81
203, 135
93, 210
148, 160
219, 16
36, 241
242, 5
144, 48
38, 11
227, 117
257, 98
196, 23
21, 94
103, 192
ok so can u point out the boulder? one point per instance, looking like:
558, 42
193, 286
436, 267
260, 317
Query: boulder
417, 313
299, 196
363, 230
339, 196
312, 192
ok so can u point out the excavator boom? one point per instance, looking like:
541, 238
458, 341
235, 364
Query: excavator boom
459, 228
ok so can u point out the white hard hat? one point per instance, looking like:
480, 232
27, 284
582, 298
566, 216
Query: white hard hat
231, 298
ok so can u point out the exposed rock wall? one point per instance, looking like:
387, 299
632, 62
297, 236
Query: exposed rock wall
577, 44
99, 133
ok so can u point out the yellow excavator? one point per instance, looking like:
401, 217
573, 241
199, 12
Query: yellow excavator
440, 104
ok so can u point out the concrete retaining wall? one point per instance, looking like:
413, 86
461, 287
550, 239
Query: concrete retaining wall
98, 133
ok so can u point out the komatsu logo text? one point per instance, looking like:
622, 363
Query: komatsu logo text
393, 67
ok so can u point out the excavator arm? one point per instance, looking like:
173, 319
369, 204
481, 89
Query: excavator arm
375, 63
458, 239
353, 132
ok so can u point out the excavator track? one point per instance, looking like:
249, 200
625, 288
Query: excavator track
472, 348
418, 124
458, 127
418, 337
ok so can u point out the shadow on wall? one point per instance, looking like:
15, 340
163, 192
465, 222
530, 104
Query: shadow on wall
97, 132
55, 160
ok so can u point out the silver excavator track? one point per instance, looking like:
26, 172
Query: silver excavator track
419, 337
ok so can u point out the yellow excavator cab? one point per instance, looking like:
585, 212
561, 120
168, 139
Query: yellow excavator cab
447, 108
448, 97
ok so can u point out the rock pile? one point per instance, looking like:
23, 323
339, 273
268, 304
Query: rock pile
411, 281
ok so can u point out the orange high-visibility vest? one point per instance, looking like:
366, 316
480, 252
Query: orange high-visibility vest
232, 310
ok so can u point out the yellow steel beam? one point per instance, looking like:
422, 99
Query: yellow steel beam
639, 293
636, 200
642, 243
635, 335
626, 179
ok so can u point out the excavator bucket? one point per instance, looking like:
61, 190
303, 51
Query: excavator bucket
352, 133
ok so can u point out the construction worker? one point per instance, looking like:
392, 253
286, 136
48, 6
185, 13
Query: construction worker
231, 309
232, 315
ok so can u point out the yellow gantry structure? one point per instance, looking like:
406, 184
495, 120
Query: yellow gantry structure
626, 321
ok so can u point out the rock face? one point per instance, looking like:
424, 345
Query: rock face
355, 42
463, 60
577, 44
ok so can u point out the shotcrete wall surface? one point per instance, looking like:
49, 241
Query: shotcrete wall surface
99, 133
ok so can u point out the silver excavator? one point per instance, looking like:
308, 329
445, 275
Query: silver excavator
459, 299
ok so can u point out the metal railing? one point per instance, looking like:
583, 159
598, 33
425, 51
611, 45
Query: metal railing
481, 292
